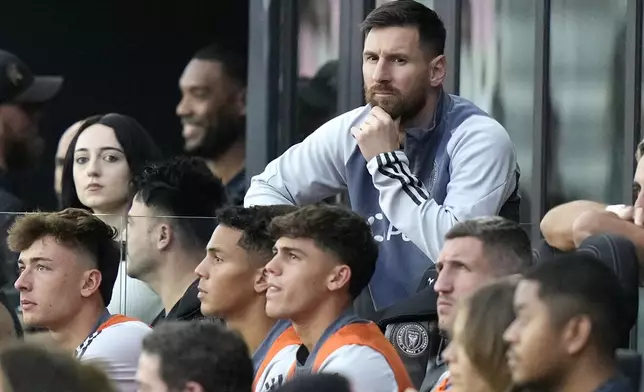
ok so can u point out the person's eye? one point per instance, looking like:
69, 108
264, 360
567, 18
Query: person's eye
111, 158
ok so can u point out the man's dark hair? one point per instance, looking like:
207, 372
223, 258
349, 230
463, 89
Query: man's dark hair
577, 284
57, 371
75, 228
183, 187
235, 63
409, 13
338, 231
505, 243
203, 352
253, 222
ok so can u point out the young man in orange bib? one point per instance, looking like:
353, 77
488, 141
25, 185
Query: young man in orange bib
68, 265
232, 285
324, 257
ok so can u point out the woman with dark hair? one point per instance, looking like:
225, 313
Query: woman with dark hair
476, 353
125, 145
103, 157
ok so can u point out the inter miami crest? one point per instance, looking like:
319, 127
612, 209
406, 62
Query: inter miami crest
412, 339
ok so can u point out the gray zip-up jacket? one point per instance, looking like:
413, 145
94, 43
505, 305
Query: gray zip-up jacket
461, 166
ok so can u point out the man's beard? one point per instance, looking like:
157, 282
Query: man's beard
397, 105
220, 137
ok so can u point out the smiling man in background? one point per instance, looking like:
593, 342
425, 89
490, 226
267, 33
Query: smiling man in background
213, 114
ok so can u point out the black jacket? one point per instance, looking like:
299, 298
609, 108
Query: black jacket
188, 308
412, 327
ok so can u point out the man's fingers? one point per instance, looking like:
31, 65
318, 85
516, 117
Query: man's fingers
368, 122
638, 217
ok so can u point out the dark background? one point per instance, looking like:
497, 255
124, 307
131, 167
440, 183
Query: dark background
116, 56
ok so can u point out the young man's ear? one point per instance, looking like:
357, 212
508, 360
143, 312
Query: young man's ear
260, 282
91, 282
165, 235
339, 277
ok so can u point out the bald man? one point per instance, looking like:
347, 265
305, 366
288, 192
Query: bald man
63, 145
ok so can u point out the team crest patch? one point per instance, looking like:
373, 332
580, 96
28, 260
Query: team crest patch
412, 339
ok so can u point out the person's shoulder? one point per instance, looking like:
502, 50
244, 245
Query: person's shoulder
125, 326
463, 116
364, 366
473, 128
119, 340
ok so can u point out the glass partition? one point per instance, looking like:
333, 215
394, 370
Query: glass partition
586, 147
496, 79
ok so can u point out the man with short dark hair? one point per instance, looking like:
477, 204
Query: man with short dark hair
475, 252
570, 314
194, 357
68, 265
169, 224
324, 258
213, 113
415, 160
232, 281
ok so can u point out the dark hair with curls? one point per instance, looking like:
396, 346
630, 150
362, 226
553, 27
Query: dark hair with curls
253, 222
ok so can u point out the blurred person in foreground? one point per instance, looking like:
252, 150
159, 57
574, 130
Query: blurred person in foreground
232, 283
476, 352
213, 113
169, 224
415, 160
569, 317
68, 265
29, 368
198, 356
324, 257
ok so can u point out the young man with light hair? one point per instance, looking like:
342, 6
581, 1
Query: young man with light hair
68, 264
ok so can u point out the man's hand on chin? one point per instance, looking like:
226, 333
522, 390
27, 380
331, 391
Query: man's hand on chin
377, 134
